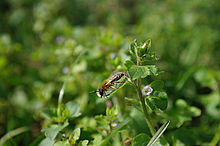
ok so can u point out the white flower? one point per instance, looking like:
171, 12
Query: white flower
147, 90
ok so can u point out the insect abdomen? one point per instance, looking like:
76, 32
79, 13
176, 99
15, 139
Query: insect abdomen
118, 77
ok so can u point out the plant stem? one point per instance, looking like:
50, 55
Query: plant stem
12, 133
216, 138
146, 113
60, 99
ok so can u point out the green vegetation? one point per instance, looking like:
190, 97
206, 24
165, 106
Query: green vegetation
53, 53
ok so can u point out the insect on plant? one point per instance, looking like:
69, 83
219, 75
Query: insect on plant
111, 84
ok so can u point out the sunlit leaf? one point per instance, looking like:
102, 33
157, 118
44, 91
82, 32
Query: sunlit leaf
141, 71
73, 108
62, 143
83, 143
76, 134
52, 131
47, 142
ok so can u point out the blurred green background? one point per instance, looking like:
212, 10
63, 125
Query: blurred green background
45, 42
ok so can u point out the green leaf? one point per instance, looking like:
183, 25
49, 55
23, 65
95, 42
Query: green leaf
161, 95
211, 103
141, 71
53, 130
181, 103
207, 77
128, 63
158, 133
62, 143
141, 140
76, 134
47, 142
161, 99
115, 61
132, 48
108, 111
138, 72
157, 85
73, 108
111, 111
97, 140
154, 70
150, 103
83, 143
49, 113
157, 100
148, 44
143, 49
181, 113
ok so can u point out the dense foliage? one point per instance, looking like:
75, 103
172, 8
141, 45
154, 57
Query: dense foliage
53, 53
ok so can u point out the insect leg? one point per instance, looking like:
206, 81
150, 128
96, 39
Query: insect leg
93, 91
119, 81
107, 94
112, 87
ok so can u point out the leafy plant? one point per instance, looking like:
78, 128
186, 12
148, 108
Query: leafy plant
45, 43
141, 66
57, 121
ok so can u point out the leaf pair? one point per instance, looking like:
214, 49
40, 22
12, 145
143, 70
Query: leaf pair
158, 99
139, 48
67, 111
143, 139
136, 71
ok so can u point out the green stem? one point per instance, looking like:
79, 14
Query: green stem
12, 133
146, 113
216, 138
60, 99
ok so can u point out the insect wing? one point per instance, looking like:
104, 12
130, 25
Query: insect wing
109, 92
113, 74
116, 86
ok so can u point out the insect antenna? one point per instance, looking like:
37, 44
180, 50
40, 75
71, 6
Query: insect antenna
94, 91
